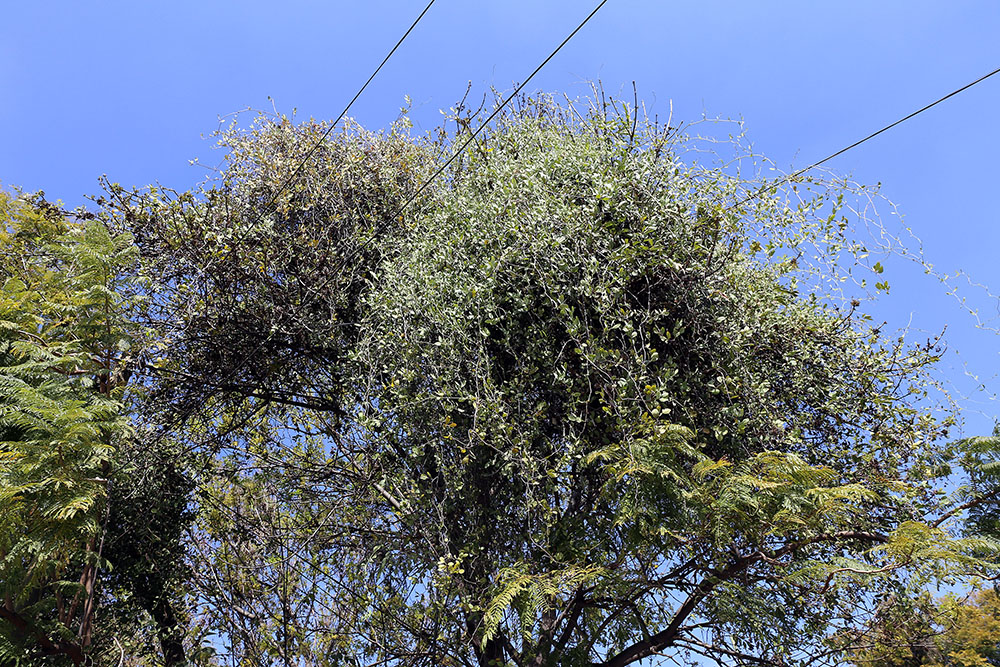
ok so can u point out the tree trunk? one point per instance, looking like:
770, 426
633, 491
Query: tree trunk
168, 632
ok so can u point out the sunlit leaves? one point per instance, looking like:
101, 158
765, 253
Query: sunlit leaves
61, 333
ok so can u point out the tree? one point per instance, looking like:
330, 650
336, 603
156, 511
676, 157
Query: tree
580, 401
972, 638
951, 631
60, 418
149, 510
91, 515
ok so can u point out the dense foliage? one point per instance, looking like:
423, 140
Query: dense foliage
582, 401
61, 340
957, 631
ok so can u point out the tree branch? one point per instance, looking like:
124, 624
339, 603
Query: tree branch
49, 647
666, 637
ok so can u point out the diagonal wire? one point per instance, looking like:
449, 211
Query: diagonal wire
793, 176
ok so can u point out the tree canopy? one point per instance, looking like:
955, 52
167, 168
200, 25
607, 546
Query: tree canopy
582, 400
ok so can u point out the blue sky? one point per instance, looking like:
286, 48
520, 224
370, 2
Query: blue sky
129, 88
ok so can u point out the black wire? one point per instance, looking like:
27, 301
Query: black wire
857, 143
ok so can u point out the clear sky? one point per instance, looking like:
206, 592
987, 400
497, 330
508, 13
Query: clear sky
128, 88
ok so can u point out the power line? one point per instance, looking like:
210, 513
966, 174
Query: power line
344, 112
857, 143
